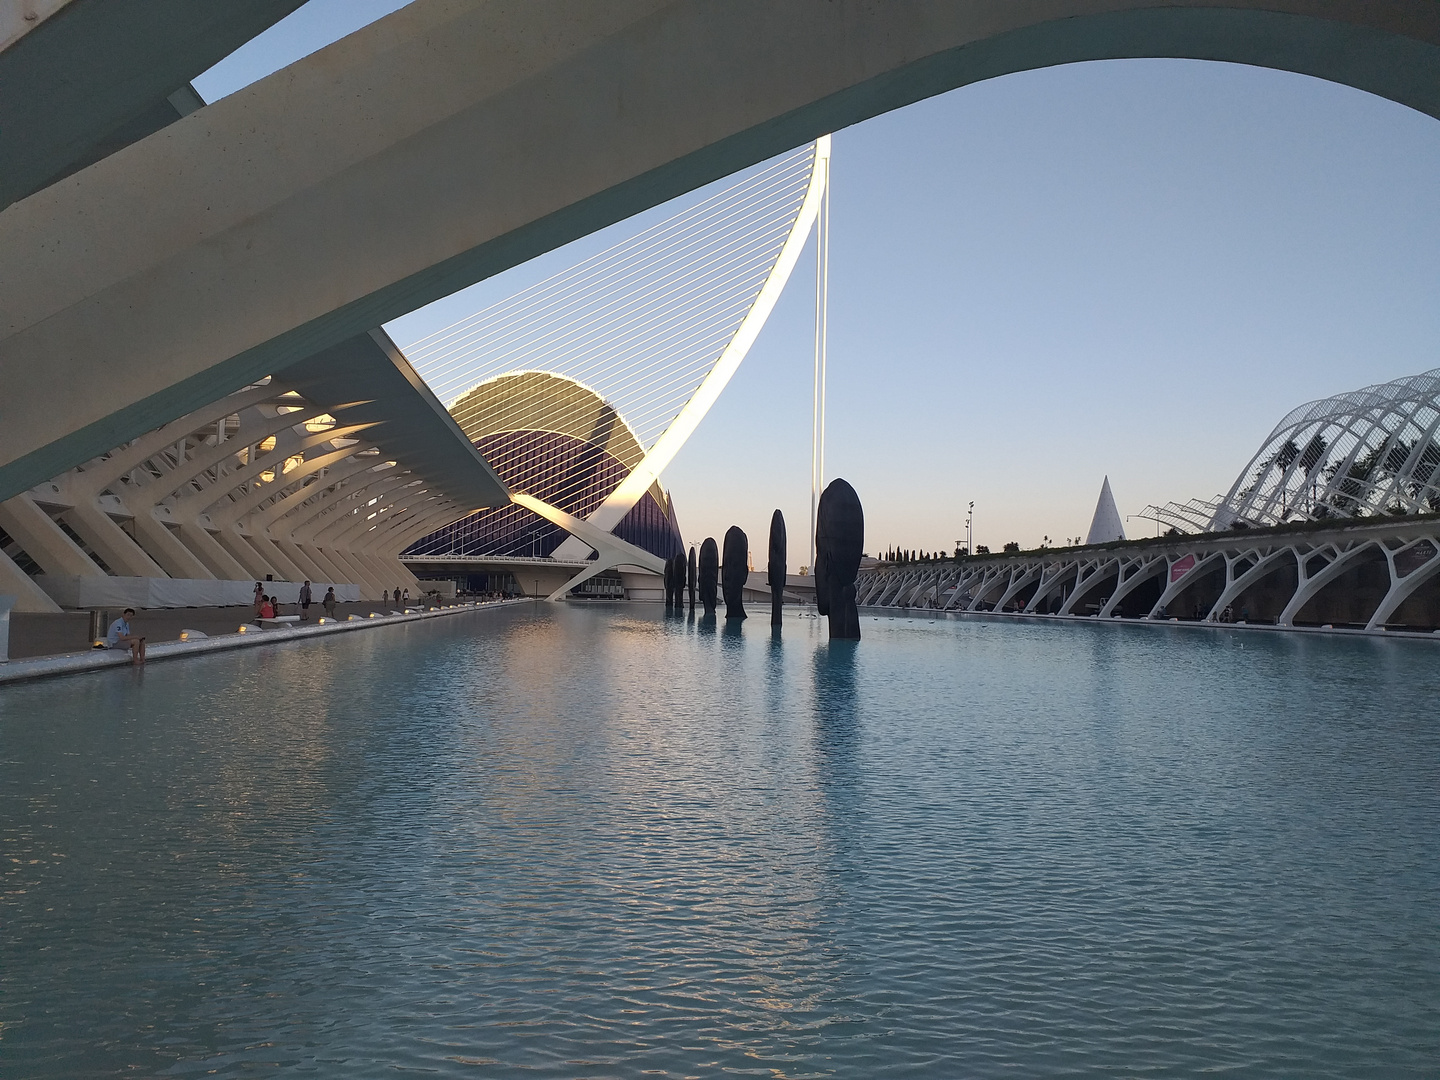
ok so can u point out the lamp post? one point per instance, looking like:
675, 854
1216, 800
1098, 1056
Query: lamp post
969, 521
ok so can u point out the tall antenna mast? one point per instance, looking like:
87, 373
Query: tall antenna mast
822, 312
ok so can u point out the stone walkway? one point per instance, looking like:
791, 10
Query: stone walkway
162, 629
68, 631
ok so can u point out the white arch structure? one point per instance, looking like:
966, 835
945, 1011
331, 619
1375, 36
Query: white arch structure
1372, 451
656, 325
161, 276
1368, 452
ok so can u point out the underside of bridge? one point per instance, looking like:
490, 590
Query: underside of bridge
451, 140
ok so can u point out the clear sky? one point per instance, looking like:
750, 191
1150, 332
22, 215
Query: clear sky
1131, 268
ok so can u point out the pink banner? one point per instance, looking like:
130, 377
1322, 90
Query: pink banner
1180, 567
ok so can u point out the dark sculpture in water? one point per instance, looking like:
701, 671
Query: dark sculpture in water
709, 573
775, 570
691, 579
839, 541
675, 582
679, 563
735, 571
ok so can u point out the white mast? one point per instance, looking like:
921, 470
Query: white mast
822, 311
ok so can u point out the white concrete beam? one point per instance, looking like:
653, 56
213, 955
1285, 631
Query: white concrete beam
44, 541
82, 78
467, 137
28, 596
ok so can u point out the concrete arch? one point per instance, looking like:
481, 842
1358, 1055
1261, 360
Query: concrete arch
1404, 586
1144, 570
214, 277
1091, 576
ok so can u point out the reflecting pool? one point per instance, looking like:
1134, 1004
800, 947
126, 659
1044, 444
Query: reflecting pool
584, 842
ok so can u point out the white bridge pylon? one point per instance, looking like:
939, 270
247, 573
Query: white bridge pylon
657, 325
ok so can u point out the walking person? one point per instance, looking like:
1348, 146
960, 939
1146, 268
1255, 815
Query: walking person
305, 601
405, 600
259, 596
329, 602
397, 595
121, 636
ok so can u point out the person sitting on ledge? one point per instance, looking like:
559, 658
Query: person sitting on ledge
122, 637
267, 609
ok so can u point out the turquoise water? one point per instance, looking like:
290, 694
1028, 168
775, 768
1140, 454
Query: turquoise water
599, 842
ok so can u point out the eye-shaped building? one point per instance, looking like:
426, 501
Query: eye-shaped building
558, 440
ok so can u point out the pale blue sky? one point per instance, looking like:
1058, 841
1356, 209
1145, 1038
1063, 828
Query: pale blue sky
1131, 267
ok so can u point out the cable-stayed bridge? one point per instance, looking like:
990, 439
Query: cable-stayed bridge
580, 389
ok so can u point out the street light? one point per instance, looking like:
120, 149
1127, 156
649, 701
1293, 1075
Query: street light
969, 539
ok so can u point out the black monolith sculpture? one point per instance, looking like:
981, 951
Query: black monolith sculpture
709, 573
675, 575
669, 584
839, 543
775, 570
690, 580
735, 571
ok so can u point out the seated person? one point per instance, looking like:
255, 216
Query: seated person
267, 609
122, 637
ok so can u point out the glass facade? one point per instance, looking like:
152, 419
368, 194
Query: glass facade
564, 471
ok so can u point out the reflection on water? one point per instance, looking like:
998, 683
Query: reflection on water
607, 842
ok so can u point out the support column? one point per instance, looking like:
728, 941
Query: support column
15, 582
113, 544
285, 570
44, 541
308, 567
333, 573
221, 563
244, 554
162, 545
359, 576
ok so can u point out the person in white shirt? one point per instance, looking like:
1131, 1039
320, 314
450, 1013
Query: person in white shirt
122, 637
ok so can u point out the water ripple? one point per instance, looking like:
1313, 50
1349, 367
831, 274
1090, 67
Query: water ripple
600, 842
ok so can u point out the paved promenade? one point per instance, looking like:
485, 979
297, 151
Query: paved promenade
162, 628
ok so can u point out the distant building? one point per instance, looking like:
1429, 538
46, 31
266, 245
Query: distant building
557, 439
1370, 452
1105, 526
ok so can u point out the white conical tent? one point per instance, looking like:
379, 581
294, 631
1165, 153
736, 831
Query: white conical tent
1105, 527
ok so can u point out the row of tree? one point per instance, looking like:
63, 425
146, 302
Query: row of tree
907, 556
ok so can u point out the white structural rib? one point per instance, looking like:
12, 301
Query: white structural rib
612, 550
619, 503
655, 325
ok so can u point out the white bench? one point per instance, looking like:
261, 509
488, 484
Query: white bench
278, 619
